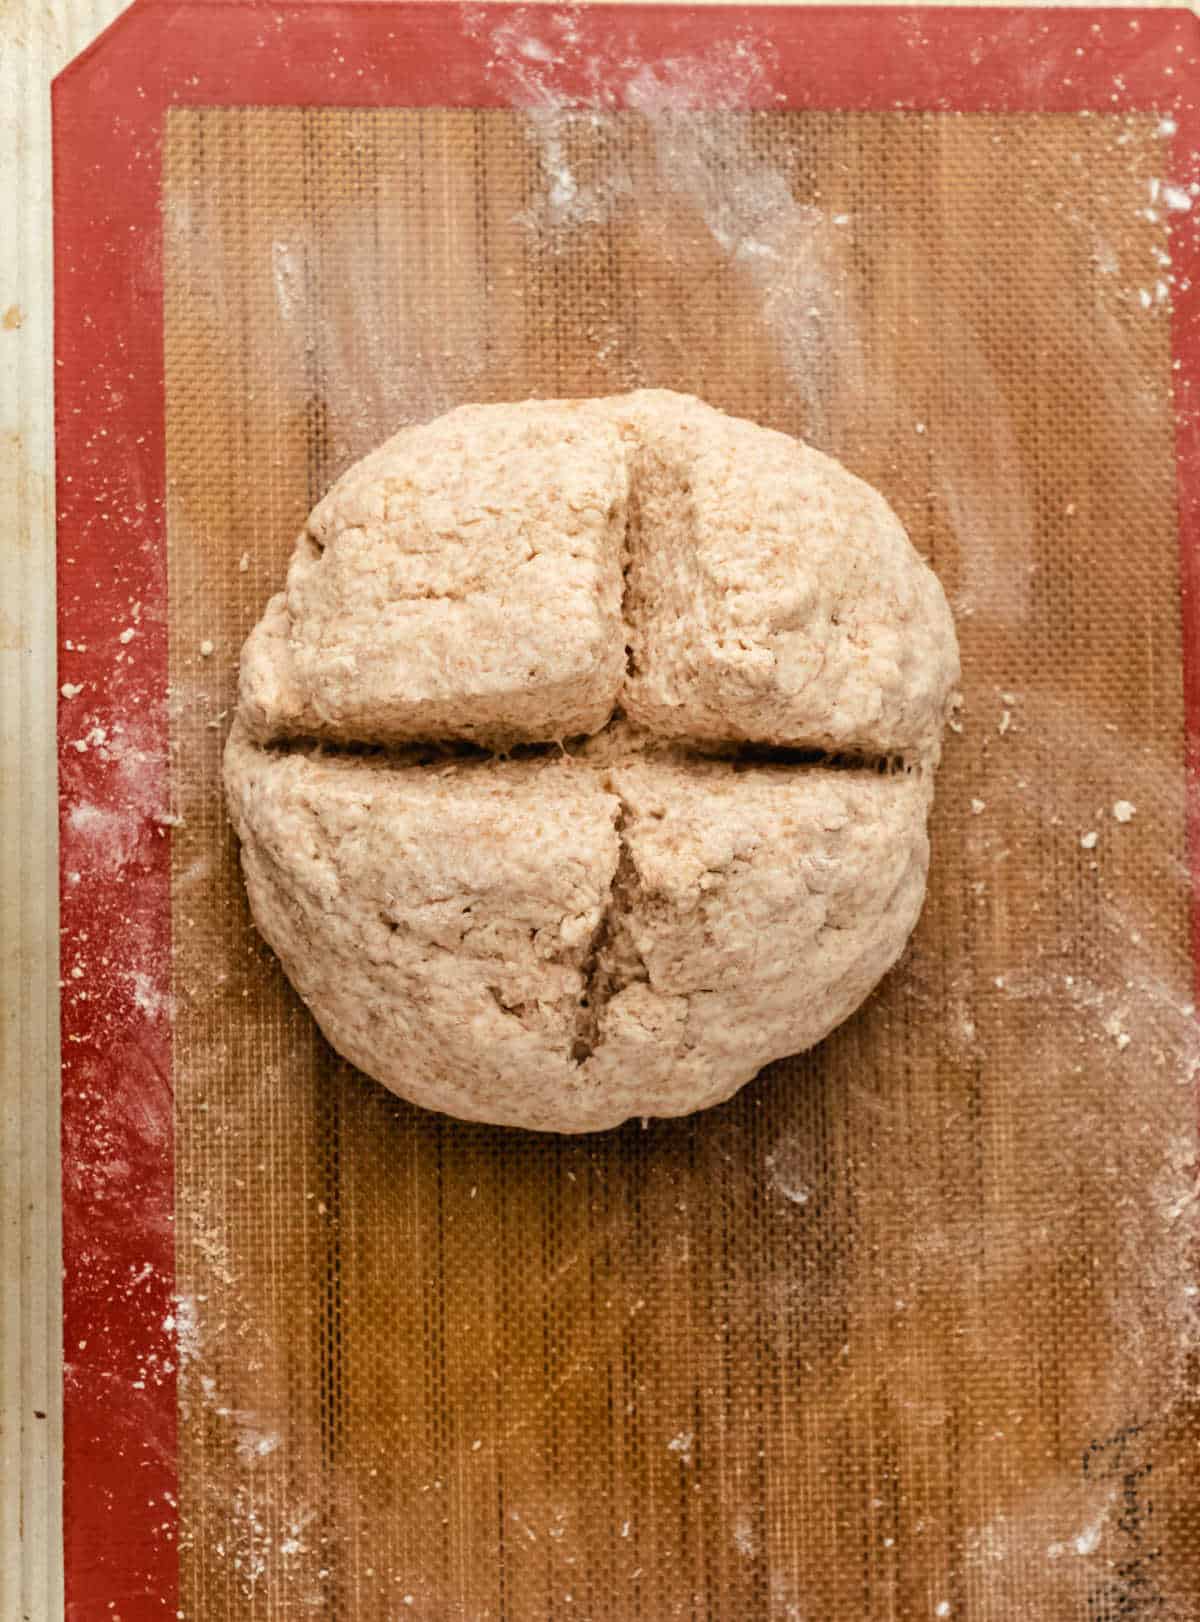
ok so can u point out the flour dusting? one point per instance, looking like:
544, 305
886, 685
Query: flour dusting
786, 1166
1065, 1054
744, 1540
682, 1445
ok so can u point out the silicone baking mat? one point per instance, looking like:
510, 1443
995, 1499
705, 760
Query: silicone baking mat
907, 1328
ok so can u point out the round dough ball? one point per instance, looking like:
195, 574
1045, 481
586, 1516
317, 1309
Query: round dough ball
755, 668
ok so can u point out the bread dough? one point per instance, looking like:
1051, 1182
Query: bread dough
463, 581
639, 922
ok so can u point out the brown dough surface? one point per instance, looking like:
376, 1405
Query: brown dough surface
637, 926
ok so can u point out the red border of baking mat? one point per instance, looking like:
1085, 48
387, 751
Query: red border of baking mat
109, 112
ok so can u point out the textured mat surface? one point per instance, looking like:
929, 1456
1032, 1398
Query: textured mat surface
901, 1331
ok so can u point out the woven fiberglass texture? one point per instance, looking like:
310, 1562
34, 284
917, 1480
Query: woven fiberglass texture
903, 1331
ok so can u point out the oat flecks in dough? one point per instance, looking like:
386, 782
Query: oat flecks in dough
773, 596
463, 581
635, 927
757, 909
559, 944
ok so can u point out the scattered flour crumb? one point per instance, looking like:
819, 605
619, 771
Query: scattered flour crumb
1117, 1031
1123, 811
943, 1608
1005, 722
147, 996
251, 1444
207, 649
682, 1444
743, 1537
127, 635
785, 1174
1088, 1540
978, 807
244, 563
71, 689
1089, 840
